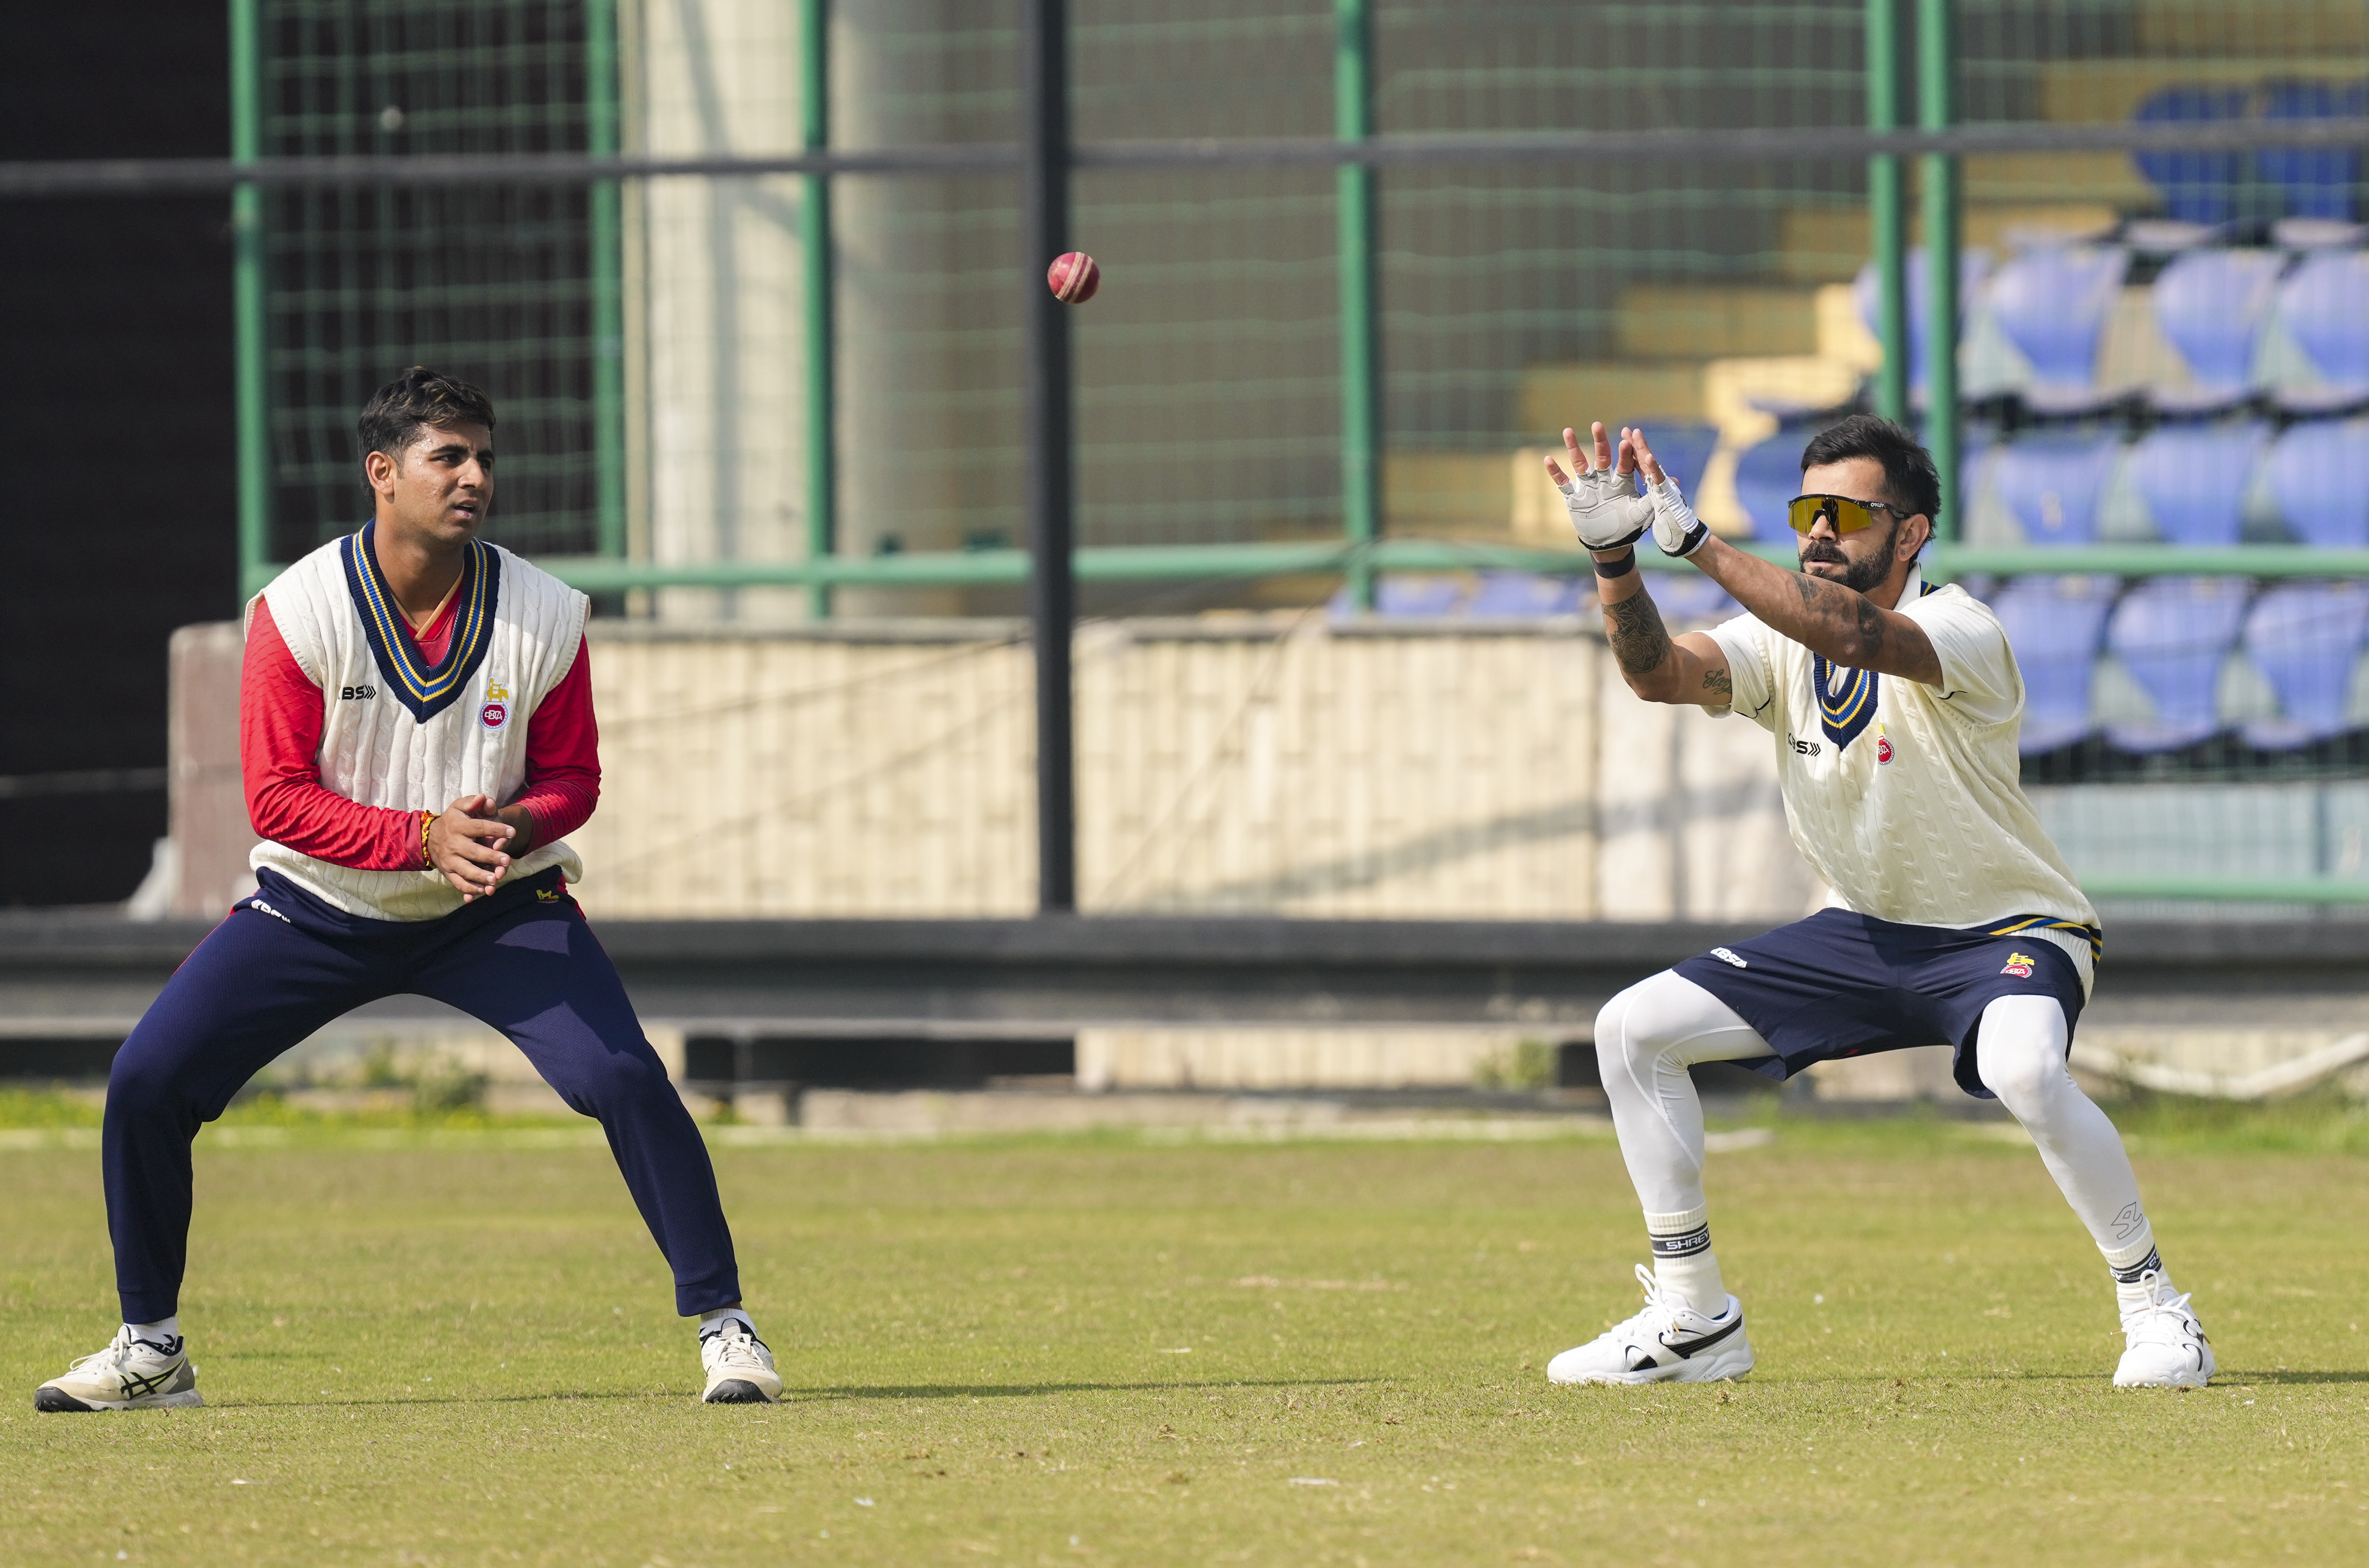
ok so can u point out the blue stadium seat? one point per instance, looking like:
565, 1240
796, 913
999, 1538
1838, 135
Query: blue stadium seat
2172, 634
2319, 472
2198, 187
2317, 182
2193, 478
1766, 477
2053, 483
1692, 599
1973, 270
2054, 625
1395, 595
1522, 593
2052, 303
2211, 305
2323, 306
2305, 639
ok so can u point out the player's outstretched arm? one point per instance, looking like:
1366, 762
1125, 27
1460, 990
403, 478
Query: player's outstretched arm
1825, 617
1609, 517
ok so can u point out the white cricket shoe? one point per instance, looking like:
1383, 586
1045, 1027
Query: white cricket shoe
739, 1368
2164, 1346
1669, 1342
130, 1374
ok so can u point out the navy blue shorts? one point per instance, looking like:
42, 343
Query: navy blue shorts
1840, 984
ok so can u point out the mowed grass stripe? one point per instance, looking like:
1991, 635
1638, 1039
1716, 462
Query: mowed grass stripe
1302, 1352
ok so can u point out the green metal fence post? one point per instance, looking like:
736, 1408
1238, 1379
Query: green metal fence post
602, 140
814, 235
250, 328
1935, 108
1887, 209
1360, 365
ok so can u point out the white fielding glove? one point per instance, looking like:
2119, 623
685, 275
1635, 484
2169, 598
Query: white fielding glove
1607, 512
1676, 528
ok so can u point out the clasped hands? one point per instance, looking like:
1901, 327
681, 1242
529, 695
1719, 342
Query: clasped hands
1607, 513
474, 842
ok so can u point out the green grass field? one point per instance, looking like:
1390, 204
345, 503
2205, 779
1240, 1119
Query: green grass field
441, 1349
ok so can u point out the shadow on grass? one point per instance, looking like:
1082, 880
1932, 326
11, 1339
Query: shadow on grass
2231, 1376
815, 1396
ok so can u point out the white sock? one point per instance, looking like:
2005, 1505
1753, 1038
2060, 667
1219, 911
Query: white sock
2130, 1276
710, 1322
165, 1333
1683, 1264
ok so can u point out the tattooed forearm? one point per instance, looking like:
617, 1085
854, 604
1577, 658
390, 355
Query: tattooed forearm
1716, 682
1842, 613
1871, 630
1638, 637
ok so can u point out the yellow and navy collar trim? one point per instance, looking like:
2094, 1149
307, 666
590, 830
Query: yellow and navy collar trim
1843, 714
426, 690
2095, 937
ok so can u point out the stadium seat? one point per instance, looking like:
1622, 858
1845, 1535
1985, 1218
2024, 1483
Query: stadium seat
2053, 304
2305, 639
2315, 182
1766, 477
2053, 483
2193, 478
1507, 594
2172, 634
2198, 187
2323, 306
1418, 595
2319, 474
2211, 304
1973, 270
2054, 625
1690, 598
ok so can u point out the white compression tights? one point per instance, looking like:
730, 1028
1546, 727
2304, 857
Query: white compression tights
1648, 1036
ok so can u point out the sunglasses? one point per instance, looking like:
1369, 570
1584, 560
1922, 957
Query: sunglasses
1848, 516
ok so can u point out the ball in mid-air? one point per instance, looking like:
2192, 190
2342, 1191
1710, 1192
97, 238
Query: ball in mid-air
1073, 277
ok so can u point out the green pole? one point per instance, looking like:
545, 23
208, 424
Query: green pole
1360, 400
1937, 108
1887, 209
248, 304
602, 140
814, 235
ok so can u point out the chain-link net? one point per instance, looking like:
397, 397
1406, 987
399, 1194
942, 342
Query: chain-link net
490, 284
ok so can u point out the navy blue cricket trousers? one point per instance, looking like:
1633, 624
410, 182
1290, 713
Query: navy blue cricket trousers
284, 963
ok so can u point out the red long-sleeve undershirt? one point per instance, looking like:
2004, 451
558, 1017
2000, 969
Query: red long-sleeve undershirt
281, 716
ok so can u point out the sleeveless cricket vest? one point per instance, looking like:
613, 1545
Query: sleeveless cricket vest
403, 734
1908, 798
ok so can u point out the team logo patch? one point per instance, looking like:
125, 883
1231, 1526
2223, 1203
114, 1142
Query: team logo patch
1724, 956
2019, 965
493, 716
1882, 746
546, 896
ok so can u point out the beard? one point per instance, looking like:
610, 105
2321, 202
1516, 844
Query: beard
1859, 575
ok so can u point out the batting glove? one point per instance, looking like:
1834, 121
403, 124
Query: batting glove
1676, 528
1606, 511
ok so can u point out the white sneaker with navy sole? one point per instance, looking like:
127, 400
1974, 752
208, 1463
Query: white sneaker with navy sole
1669, 1342
2163, 1345
739, 1368
130, 1374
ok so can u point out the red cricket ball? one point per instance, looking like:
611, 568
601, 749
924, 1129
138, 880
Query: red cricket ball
1073, 277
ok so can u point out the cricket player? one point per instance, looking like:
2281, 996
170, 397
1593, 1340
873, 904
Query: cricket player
1895, 706
417, 734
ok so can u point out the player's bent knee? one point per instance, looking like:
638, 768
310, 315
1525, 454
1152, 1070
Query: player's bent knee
2020, 1054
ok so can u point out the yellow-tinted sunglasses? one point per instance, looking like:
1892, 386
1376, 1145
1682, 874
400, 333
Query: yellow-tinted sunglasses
1846, 515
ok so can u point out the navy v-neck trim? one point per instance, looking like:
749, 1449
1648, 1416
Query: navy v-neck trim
426, 690
1844, 715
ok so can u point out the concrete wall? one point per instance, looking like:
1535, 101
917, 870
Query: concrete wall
1224, 765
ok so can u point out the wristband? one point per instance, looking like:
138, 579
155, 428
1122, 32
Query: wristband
1619, 569
427, 820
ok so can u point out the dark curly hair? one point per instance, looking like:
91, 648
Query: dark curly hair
1909, 472
393, 417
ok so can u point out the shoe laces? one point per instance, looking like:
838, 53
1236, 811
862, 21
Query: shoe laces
2160, 1316
119, 1350
1660, 1313
736, 1346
